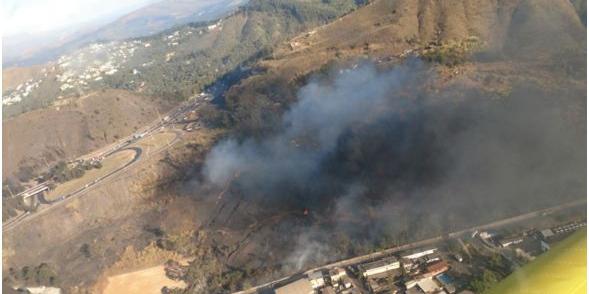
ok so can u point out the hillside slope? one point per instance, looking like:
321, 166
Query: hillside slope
39, 138
181, 62
508, 34
469, 110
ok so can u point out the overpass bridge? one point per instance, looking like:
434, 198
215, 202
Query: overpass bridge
34, 191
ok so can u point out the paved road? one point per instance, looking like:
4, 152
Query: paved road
422, 243
138, 152
174, 116
27, 217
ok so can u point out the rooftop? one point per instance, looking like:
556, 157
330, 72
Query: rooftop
379, 263
428, 285
301, 286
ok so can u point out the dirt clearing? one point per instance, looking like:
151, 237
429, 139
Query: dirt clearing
147, 281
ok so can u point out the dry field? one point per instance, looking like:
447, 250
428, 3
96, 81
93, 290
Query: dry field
155, 142
146, 281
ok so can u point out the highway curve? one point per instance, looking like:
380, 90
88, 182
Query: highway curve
138, 152
6, 226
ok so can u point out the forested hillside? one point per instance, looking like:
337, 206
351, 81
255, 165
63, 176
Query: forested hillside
176, 63
201, 53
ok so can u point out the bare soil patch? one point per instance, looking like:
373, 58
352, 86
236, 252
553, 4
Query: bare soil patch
149, 280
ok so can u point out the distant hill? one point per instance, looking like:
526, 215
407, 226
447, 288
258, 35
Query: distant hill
176, 63
147, 20
162, 15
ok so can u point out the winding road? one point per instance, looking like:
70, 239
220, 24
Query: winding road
174, 116
51, 204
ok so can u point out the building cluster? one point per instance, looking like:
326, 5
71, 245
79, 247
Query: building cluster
93, 62
530, 243
567, 228
89, 65
20, 92
422, 271
172, 39
217, 25
76, 71
39, 290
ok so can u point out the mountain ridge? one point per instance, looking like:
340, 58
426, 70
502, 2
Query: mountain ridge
150, 19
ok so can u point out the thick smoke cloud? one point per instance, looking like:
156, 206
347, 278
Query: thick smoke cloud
379, 154
311, 129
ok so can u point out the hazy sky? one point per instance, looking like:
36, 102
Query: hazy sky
34, 16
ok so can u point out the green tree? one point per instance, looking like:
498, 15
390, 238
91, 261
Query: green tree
484, 282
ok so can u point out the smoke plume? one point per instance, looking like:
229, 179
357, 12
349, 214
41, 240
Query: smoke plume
378, 155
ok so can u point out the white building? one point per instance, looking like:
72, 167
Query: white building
65, 86
316, 279
44, 290
487, 235
379, 266
506, 242
422, 253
